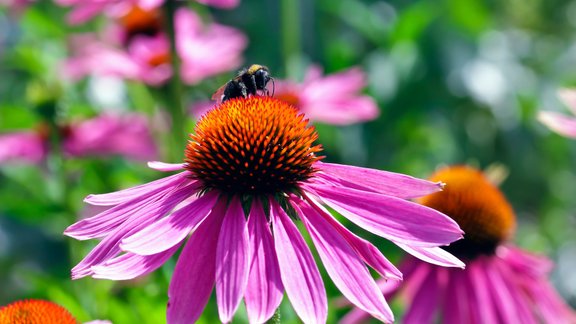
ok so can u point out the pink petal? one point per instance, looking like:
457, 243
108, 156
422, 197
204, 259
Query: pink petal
434, 255
479, 284
129, 266
561, 124
425, 301
368, 252
170, 230
166, 167
195, 271
264, 291
22, 146
341, 111
138, 192
232, 261
298, 270
510, 299
109, 246
457, 300
345, 268
395, 219
388, 183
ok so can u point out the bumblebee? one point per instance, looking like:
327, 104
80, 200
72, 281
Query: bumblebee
248, 82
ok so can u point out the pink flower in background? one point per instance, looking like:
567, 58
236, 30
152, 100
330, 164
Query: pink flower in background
251, 173
204, 51
560, 123
105, 135
84, 10
333, 99
501, 283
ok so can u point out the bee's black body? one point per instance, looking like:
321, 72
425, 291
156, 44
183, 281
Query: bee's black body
248, 82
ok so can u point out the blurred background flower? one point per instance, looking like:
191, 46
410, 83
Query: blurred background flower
500, 284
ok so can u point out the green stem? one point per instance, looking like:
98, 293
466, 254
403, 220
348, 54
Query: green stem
275, 319
291, 32
174, 103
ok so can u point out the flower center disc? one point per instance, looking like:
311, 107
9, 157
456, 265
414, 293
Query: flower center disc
35, 311
256, 145
477, 206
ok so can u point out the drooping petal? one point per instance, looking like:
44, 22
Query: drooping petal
501, 293
345, 268
264, 290
171, 229
366, 250
434, 255
393, 218
138, 192
109, 247
195, 271
457, 300
560, 123
480, 283
232, 261
166, 167
384, 182
105, 222
129, 265
298, 270
425, 301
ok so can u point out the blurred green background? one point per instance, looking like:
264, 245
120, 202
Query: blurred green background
457, 81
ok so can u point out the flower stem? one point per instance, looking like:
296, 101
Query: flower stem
291, 32
173, 102
275, 319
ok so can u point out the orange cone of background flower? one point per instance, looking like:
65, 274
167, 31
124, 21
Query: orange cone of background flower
501, 283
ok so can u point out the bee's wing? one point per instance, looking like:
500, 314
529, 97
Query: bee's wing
217, 96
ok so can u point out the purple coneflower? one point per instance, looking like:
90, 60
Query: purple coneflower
37, 311
251, 172
332, 99
501, 283
561, 123
108, 134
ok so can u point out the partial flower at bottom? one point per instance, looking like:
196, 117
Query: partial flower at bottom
36, 311
501, 283
251, 172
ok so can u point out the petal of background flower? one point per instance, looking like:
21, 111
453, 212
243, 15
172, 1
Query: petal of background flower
232, 261
384, 182
434, 255
129, 265
366, 250
298, 270
170, 230
22, 146
393, 218
264, 291
425, 301
560, 123
486, 310
457, 299
345, 268
195, 271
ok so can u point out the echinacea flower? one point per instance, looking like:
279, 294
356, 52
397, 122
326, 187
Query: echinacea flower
36, 311
83, 10
204, 50
561, 123
333, 99
251, 172
501, 283
108, 134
